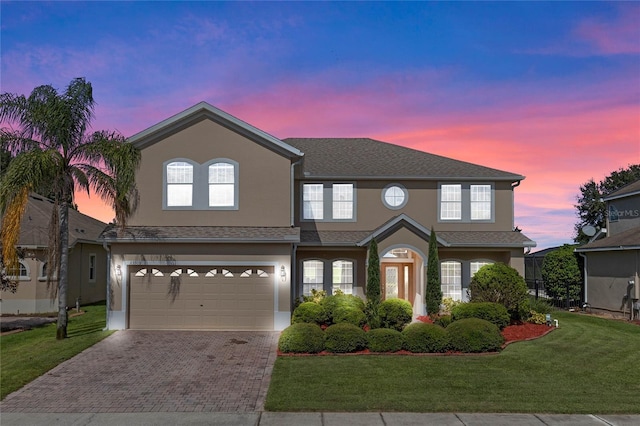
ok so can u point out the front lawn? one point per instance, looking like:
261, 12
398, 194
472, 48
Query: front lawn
588, 365
29, 354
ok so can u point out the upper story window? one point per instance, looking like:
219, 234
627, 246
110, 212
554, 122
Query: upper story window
328, 202
221, 185
395, 196
179, 184
466, 202
192, 186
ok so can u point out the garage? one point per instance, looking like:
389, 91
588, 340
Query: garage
177, 297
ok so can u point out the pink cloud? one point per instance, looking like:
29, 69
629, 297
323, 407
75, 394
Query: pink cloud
621, 36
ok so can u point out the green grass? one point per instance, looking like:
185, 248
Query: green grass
588, 365
27, 355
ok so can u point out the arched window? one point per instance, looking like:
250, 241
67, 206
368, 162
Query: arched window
342, 276
475, 266
451, 279
179, 181
19, 272
222, 184
312, 276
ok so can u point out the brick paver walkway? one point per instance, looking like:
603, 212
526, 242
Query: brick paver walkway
146, 371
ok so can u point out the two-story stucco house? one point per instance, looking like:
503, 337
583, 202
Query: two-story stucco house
612, 263
234, 224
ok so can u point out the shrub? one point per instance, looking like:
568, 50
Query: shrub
316, 296
302, 338
350, 315
385, 340
492, 312
499, 283
421, 337
474, 335
560, 271
443, 321
537, 318
395, 313
433, 292
309, 312
448, 304
540, 305
345, 337
371, 311
331, 303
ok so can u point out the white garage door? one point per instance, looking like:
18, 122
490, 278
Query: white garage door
201, 297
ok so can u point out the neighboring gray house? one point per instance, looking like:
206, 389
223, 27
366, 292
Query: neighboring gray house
87, 262
612, 263
234, 224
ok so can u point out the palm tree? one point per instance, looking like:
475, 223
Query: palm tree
55, 154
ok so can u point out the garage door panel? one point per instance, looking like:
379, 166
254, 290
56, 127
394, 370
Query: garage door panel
214, 298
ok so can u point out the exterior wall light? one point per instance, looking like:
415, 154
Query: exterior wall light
118, 271
283, 273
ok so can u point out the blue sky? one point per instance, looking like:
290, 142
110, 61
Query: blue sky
550, 90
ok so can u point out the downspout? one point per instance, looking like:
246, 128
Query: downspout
108, 300
293, 179
514, 185
586, 278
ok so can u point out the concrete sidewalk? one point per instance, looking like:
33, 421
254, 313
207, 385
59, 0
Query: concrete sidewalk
314, 419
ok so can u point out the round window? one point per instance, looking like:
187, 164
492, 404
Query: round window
394, 196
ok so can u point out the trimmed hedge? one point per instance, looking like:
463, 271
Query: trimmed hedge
331, 303
495, 313
345, 337
502, 284
302, 338
474, 335
350, 315
443, 321
385, 340
309, 312
422, 337
395, 313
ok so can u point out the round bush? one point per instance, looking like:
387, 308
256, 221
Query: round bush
443, 321
495, 313
331, 303
421, 337
395, 313
385, 340
309, 312
302, 338
474, 335
345, 337
348, 314
499, 283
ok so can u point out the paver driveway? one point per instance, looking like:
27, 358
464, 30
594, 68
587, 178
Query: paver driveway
144, 371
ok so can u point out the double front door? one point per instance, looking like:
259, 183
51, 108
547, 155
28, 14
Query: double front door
398, 281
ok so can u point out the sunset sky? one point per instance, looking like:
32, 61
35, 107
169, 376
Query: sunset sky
547, 90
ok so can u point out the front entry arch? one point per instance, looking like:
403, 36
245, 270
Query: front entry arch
401, 273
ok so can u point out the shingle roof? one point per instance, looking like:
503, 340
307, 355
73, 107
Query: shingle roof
34, 230
627, 190
368, 158
626, 240
188, 234
332, 238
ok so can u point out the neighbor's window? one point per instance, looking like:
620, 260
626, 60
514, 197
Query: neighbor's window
179, 184
480, 202
92, 267
20, 271
342, 271
343, 201
451, 202
312, 276
221, 185
451, 279
312, 201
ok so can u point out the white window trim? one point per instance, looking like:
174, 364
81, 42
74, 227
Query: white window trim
466, 203
200, 185
22, 277
327, 202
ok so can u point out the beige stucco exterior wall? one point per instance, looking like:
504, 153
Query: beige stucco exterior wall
608, 275
125, 256
264, 179
35, 296
422, 206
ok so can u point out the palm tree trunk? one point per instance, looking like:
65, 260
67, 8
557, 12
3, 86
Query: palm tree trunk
61, 331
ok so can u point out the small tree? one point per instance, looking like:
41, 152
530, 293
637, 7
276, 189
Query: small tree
561, 273
502, 284
373, 286
433, 296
